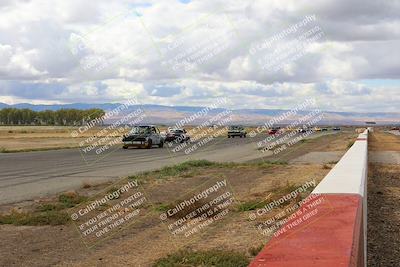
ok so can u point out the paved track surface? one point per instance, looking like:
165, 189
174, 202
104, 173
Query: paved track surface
29, 175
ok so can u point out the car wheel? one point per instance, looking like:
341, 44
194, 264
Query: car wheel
125, 147
149, 144
161, 144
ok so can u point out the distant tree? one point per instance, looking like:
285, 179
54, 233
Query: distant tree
62, 117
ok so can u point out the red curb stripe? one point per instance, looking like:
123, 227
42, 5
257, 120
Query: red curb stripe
334, 237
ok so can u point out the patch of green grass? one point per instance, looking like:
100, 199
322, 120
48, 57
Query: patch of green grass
253, 251
268, 163
37, 149
212, 258
251, 205
286, 189
326, 167
45, 214
350, 144
50, 217
49, 207
162, 207
277, 193
183, 168
71, 200
191, 168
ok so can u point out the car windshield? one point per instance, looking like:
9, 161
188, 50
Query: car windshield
235, 128
140, 130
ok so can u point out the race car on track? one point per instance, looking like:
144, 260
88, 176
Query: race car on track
236, 131
177, 135
143, 136
274, 130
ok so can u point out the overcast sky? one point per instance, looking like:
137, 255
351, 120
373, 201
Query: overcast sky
259, 54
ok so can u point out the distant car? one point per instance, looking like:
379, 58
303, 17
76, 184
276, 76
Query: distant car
395, 129
317, 129
177, 135
336, 129
237, 131
272, 131
324, 129
302, 130
143, 136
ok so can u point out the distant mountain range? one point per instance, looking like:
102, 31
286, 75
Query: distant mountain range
169, 115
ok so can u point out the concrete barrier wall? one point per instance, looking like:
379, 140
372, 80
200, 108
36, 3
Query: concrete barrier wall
329, 229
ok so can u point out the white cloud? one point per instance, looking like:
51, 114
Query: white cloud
102, 50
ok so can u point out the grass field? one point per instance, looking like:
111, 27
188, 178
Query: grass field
32, 138
233, 242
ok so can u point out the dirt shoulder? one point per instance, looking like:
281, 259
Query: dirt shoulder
383, 215
329, 143
144, 243
383, 204
381, 141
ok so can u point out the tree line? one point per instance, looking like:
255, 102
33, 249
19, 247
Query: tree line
62, 117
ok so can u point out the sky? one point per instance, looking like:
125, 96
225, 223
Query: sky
257, 54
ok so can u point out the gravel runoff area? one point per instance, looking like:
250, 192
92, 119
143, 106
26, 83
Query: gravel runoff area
383, 203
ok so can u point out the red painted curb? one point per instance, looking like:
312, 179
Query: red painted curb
332, 237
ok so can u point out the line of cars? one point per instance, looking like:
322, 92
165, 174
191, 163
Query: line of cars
147, 136
277, 130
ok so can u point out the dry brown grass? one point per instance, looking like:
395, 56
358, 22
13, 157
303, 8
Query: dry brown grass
341, 142
380, 141
145, 242
29, 138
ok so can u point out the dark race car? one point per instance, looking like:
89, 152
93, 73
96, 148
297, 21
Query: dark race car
143, 136
177, 135
274, 130
236, 131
